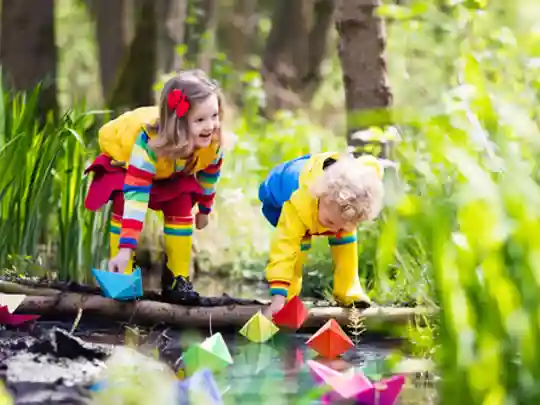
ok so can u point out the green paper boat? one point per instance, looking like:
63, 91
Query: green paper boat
212, 354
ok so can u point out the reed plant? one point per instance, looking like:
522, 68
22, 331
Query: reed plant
42, 191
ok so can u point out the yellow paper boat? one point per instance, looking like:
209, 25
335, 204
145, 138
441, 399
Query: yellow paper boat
259, 328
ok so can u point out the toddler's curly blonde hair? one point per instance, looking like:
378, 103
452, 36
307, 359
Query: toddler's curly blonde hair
355, 184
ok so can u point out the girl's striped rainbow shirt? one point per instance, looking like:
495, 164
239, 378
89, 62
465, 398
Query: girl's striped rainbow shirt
138, 183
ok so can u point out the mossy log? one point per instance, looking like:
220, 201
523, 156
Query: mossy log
55, 303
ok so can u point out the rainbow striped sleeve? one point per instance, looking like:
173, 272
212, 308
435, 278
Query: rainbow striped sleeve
208, 179
342, 239
137, 186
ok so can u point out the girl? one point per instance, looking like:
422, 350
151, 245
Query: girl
174, 159
321, 194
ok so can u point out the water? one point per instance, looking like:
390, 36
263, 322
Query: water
274, 373
277, 372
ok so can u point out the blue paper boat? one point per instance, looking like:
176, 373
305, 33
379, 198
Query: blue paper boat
118, 285
200, 388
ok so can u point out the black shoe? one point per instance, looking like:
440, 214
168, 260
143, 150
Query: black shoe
358, 305
180, 292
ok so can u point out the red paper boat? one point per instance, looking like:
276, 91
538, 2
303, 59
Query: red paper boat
7, 318
292, 315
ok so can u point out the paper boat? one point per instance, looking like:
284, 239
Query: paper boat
11, 301
344, 385
212, 354
347, 386
8, 304
321, 372
200, 388
292, 315
330, 341
120, 286
7, 318
383, 392
259, 328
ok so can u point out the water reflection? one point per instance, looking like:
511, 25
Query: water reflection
278, 370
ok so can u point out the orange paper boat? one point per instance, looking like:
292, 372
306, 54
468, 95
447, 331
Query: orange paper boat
330, 341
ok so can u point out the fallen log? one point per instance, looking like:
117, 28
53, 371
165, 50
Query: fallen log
8, 287
54, 303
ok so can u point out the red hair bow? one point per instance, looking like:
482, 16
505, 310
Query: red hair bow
177, 101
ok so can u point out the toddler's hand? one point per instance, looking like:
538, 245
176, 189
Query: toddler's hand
278, 302
201, 220
119, 263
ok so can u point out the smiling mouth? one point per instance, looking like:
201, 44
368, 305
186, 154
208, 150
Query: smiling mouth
206, 135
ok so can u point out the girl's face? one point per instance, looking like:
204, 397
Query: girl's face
203, 121
330, 217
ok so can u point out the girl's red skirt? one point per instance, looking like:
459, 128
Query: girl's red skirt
109, 179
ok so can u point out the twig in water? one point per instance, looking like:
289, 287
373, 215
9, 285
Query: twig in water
76, 321
210, 326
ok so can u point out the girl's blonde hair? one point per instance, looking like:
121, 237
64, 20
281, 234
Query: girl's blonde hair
355, 184
173, 140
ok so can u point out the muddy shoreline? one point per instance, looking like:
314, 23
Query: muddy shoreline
49, 366
43, 364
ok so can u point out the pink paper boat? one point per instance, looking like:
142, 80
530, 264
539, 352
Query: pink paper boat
7, 318
320, 372
384, 392
344, 385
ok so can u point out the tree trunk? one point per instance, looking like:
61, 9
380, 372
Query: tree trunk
136, 78
112, 32
237, 30
362, 42
28, 51
207, 47
170, 34
295, 49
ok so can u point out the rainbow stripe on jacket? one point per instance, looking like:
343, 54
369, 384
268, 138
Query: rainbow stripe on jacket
138, 184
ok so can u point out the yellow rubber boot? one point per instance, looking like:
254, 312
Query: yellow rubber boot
347, 287
178, 242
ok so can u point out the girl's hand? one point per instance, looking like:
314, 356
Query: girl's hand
119, 263
201, 220
278, 302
